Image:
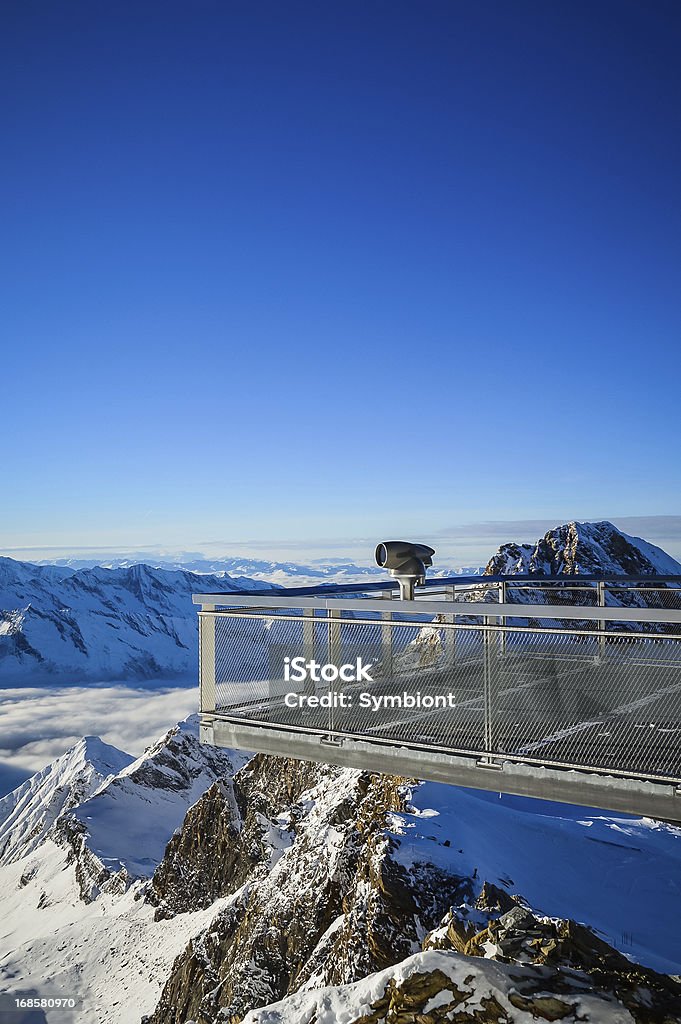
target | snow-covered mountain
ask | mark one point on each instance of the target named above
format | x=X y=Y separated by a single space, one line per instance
x=585 y=549
x=127 y=822
x=580 y=549
x=28 y=814
x=188 y=885
x=115 y=812
x=286 y=574
x=77 y=843
x=264 y=570
x=97 y=624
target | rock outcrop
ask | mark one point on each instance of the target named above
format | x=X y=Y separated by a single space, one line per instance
x=578 y=549
x=325 y=887
x=317 y=897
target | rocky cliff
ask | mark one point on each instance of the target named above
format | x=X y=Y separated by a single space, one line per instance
x=328 y=886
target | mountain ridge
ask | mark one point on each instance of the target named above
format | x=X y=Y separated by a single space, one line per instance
x=101 y=624
x=578 y=548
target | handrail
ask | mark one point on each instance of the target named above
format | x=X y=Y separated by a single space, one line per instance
x=444 y=581
x=518 y=611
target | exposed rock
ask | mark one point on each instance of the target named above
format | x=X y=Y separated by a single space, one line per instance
x=520 y=937
x=329 y=904
x=190 y=877
x=446 y=988
x=234 y=828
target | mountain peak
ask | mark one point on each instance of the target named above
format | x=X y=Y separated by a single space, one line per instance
x=104 y=757
x=131 y=817
x=583 y=548
x=29 y=812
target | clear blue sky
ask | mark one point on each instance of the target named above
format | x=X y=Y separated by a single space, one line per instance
x=285 y=273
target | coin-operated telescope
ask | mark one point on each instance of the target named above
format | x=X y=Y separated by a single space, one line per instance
x=406 y=562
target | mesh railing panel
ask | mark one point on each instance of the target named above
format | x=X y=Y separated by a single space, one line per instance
x=554 y=697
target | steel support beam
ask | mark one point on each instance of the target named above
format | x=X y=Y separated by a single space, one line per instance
x=586 y=789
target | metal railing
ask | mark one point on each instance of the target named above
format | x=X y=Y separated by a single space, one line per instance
x=576 y=673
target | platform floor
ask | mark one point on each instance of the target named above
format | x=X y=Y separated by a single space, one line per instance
x=614 y=715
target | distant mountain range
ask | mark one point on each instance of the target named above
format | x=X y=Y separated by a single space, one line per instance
x=282 y=573
x=59 y=622
x=100 y=624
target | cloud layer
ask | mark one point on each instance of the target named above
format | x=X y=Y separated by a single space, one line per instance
x=459 y=544
x=39 y=724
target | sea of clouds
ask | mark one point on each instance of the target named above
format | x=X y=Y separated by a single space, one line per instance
x=38 y=724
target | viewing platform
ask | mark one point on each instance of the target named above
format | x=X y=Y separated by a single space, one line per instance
x=563 y=688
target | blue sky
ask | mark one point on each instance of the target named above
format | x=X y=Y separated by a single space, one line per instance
x=283 y=277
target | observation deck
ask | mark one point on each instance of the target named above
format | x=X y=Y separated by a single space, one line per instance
x=562 y=688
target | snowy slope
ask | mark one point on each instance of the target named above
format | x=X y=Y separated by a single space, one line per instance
x=111 y=954
x=116 y=813
x=131 y=818
x=662 y=563
x=619 y=875
x=97 y=624
x=27 y=814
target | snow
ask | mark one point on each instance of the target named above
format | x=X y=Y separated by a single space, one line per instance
x=476 y=978
x=27 y=814
x=100 y=624
x=111 y=954
x=109 y=951
x=131 y=818
x=620 y=875
x=128 y=807
x=664 y=564
x=260 y=570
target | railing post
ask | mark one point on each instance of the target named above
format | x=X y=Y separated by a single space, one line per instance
x=387 y=638
x=308 y=632
x=334 y=657
x=488 y=681
x=502 y=618
x=450 y=634
x=601 y=622
x=207 y=694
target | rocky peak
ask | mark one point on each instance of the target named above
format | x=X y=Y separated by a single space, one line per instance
x=583 y=549
x=330 y=876
x=568 y=953
x=126 y=824
x=29 y=813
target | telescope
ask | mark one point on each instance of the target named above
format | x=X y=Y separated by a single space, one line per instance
x=406 y=562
